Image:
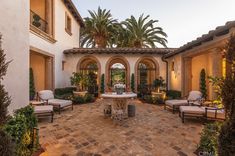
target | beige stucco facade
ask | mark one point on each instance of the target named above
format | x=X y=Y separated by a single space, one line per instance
x=104 y=60
x=15 y=30
x=187 y=65
x=60 y=41
x=28 y=48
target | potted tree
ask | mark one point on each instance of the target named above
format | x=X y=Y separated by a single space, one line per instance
x=76 y=80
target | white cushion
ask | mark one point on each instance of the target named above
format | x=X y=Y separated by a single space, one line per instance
x=176 y=102
x=43 y=109
x=211 y=113
x=194 y=95
x=60 y=102
x=192 y=109
x=46 y=94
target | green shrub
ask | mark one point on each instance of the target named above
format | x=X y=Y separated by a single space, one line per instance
x=102 y=86
x=89 y=98
x=20 y=128
x=227 y=134
x=132 y=82
x=203 y=83
x=209 y=139
x=83 y=99
x=78 y=100
x=31 y=85
x=66 y=90
x=173 y=94
x=7 y=146
x=153 y=100
x=148 y=99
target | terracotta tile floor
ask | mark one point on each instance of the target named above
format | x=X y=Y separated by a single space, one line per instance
x=85 y=131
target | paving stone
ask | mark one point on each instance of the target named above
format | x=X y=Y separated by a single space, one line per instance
x=180 y=153
x=106 y=151
x=84 y=131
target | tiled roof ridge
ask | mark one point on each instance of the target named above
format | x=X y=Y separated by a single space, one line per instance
x=218 y=31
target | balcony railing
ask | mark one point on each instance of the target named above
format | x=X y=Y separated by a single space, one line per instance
x=37 y=21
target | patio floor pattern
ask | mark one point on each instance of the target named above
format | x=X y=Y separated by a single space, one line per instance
x=85 y=132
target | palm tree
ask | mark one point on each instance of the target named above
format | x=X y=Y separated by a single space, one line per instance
x=142 y=33
x=99 y=29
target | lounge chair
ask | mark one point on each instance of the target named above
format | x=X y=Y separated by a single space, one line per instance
x=174 y=104
x=48 y=97
x=44 y=111
x=209 y=113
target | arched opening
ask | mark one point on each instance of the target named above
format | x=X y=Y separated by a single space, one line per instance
x=118 y=74
x=117 y=71
x=89 y=66
x=146 y=72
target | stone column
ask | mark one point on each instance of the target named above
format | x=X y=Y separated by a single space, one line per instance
x=49 y=17
x=215 y=68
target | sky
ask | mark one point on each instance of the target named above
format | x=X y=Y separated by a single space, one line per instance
x=182 y=20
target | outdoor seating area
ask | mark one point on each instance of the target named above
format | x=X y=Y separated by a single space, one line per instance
x=85 y=131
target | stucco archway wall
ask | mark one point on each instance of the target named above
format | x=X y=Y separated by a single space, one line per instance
x=145 y=58
x=87 y=59
x=109 y=63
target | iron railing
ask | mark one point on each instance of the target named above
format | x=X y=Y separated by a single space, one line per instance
x=37 y=21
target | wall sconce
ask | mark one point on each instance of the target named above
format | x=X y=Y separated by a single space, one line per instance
x=173 y=66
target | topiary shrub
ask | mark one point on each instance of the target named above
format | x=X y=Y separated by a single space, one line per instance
x=78 y=100
x=203 y=83
x=132 y=82
x=102 y=86
x=31 y=85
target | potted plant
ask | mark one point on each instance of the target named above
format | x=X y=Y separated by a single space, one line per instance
x=76 y=80
x=159 y=84
x=36 y=20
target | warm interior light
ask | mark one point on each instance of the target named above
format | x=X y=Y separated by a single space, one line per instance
x=224 y=67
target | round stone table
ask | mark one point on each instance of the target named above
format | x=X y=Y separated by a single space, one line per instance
x=119 y=100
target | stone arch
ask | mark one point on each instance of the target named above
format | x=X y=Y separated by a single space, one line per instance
x=148 y=60
x=109 y=63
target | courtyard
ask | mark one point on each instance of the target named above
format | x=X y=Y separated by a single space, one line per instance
x=85 y=131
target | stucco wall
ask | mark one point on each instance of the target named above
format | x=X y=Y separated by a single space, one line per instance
x=72 y=61
x=198 y=63
x=64 y=41
x=175 y=76
x=14 y=26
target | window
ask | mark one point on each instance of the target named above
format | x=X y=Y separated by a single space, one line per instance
x=68 y=24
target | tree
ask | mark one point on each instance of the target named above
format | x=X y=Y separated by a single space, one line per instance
x=31 y=84
x=227 y=134
x=142 y=33
x=6 y=144
x=203 y=83
x=4 y=98
x=99 y=29
x=132 y=82
x=102 y=86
